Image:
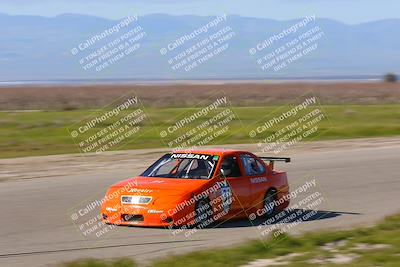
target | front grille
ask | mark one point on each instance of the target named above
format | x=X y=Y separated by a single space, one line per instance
x=132 y=218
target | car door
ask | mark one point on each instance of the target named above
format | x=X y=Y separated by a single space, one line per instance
x=256 y=173
x=237 y=182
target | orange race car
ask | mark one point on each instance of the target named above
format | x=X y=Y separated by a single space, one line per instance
x=197 y=188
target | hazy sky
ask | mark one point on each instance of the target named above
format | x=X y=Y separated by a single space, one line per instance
x=349 y=11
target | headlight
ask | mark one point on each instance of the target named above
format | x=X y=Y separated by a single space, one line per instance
x=135 y=200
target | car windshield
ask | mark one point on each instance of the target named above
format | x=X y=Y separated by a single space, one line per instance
x=183 y=166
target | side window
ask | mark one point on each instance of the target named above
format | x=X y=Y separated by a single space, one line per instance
x=230 y=167
x=251 y=165
x=260 y=166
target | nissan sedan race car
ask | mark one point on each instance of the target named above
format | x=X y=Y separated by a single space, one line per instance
x=198 y=187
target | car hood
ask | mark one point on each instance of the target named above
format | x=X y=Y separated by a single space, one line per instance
x=156 y=186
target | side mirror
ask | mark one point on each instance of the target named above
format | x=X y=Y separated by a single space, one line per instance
x=222 y=173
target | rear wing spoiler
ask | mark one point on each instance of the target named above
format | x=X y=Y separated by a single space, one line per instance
x=273 y=159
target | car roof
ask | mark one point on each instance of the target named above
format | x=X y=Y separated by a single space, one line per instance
x=211 y=151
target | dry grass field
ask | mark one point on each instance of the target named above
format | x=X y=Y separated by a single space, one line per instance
x=35 y=120
x=180 y=95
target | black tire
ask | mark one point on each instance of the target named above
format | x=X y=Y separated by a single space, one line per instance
x=270 y=208
x=203 y=213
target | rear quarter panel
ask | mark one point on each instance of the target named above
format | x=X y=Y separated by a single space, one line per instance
x=274 y=179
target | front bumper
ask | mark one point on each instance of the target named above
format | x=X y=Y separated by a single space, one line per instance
x=130 y=215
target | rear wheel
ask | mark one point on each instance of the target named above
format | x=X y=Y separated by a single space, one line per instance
x=269 y=203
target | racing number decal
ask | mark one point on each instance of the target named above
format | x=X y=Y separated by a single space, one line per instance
x=226 y=196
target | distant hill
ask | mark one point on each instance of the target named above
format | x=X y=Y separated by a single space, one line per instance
x=38 y=48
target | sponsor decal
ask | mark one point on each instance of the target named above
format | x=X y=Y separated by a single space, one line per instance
x=156 y=182
x=139 y=190
x=226 y=194
x=155 y=211
x=191 y=156
x=111 y=209
x=258 y=180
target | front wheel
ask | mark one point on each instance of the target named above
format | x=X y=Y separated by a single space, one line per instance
x=203 y=212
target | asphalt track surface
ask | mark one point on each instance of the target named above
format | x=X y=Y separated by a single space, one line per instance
x=359 y=182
